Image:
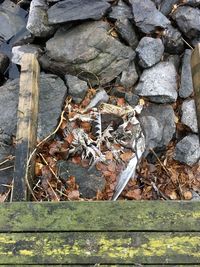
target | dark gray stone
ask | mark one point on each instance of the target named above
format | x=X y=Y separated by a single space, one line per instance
x=72 y=10
x=76 y=88
x=4 y=62
x=8 y=108
x=121 y=11
x=188 y=20
x=12 y=19
x=149 y=51
x=52 y=96
x=173 y=41
x=186 y=87
x=194 y=3
x=147 y=17
x=158 y=83
x=174 y=59
x=90 y=182
x=6 y=176
x=132 y=99
x=126 y=31
x=78 y=50
x=157 y=122
x=189 y=116
x=38 y=23
x=188 y=150
x=129 y=77
x=167 y=6
x=19 y=51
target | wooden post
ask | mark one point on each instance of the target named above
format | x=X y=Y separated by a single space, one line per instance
x=195 y=65
x=27 y=114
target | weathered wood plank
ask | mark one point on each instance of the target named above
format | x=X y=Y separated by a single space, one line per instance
x=100 y=216
x=97 y=247
x=195 y=64
x=26 y=123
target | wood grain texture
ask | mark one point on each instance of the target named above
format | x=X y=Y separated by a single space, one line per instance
x=195 y=65
x=26 y=123
x=96 y=247
x=100 y=216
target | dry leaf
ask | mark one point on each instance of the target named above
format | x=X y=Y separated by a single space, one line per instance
x=187 y=195
x=74 y=195
x=109 y=155
x=126 y=156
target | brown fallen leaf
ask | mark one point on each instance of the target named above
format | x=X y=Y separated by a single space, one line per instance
x=74 y=195
x=126 y=156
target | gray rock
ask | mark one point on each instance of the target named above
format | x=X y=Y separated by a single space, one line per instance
x=147 y=17
x=79 y=50
x=52 y=96
x=186 y=87
x=4 y=62
x=12 y=19
x=19 y=51
x=158 y=124
x=100 y=97
x=129 y=77
x=149 y=51
x=38 y=21
x=174 y=59
x=90 y=182
x=188 y=20
x=72 y=10
x=189 y=116
x=132 y=99
x=76 y=88
x=120 y=12
x=158 y=83
x=167 y=6
x=188 y=150
x=173 y=41
x=126 y=31
x=194 y=3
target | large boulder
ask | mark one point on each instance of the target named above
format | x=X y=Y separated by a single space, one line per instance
x=158 y=83
x=71 y=10
x=79 y=51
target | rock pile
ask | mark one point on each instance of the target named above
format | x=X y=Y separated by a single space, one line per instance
x=133 y=49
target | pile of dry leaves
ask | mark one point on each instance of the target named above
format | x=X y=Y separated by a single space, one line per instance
x=108 y=137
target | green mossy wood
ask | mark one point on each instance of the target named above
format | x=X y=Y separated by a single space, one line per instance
x=145 y=232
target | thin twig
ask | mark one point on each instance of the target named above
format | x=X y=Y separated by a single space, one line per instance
x=160 y=162
x=6 y=160
x=52 y=171
x=6 y=168
x=187 y=43
x=53 y=191
x=11 y=192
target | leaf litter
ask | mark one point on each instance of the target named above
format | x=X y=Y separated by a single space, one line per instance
x=108 y=136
